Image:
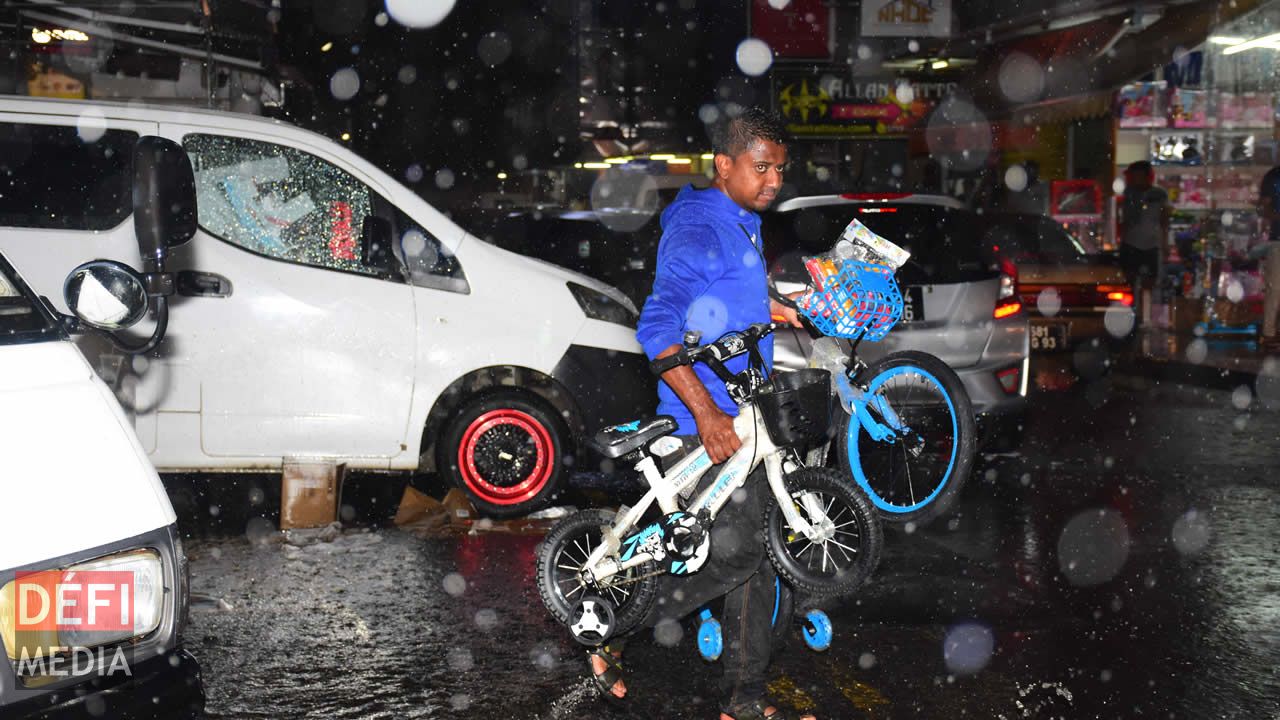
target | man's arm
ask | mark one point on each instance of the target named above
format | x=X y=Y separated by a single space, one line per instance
x=715 y=428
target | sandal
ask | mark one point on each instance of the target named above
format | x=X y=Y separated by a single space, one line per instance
x=605 y=681
x=756 y=711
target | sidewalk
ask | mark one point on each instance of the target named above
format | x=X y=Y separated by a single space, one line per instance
x=1215 y=362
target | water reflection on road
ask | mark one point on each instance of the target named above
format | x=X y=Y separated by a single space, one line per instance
x=1125 y=564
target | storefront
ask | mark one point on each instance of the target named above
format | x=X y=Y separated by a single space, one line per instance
x=1209 y=129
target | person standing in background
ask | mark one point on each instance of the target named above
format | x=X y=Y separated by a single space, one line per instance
x=1144 y=225
x=1269 y=208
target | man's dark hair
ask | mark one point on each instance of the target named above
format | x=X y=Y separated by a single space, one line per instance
x=733 y=136
x=1142 y=167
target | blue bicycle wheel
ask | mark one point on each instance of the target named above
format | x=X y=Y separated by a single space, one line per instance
x=915 y=474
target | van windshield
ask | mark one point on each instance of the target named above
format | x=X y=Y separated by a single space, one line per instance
x=22 y=318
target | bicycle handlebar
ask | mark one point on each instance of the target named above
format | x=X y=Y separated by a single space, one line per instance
x=729 y=345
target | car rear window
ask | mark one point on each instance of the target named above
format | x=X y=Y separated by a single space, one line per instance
x=944 y=242
x=1032 y=238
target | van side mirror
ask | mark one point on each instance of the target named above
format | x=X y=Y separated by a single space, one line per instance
x=376 y=244
x=164 y=199
x=106 y=294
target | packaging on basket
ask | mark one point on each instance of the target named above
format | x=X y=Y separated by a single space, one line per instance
x=858 y=242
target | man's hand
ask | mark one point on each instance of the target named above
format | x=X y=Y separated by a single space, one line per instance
x=778 y=311
x=715 y=428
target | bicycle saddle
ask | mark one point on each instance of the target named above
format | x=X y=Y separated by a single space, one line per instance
x=618 y=440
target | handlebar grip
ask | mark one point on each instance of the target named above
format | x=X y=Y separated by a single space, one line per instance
x=661 y=365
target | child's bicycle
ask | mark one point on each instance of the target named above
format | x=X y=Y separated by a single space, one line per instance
x=598 y=571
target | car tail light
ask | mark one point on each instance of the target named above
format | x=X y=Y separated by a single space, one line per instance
x=1007 y=302
x=875 y=197
x=1010 y=379
x=1113 y=293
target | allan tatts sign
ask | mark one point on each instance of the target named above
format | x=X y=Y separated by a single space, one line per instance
x=830 y=105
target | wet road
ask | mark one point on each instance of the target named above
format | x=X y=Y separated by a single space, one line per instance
x=1125 y=564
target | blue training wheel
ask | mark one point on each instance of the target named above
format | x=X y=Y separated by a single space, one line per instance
x=817 y=630
x=710 y=639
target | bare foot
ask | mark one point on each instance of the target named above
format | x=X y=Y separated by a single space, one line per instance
x=598 y=666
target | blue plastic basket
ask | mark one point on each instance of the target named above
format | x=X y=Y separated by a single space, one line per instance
x=860 y=300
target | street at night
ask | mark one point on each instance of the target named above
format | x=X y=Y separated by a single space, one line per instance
x=661 y=359
x=1075 y=579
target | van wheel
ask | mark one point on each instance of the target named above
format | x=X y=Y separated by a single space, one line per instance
x=506 y=450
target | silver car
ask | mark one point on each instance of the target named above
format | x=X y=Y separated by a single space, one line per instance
x=956 y=306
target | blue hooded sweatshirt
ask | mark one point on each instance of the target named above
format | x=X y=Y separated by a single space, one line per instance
x=711 y=277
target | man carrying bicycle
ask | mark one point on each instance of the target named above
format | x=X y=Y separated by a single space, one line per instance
x=711 y=278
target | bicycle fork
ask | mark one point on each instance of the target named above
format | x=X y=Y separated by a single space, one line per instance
x=855 y=401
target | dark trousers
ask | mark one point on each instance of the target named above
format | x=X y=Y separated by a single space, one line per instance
x=738 y=569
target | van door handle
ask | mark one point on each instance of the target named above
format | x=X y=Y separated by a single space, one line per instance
x=203 y=284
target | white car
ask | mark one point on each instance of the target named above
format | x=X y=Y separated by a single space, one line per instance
x=93 y=579
x=323 y=309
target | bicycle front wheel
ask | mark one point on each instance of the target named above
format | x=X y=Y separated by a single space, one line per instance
x=916 y=474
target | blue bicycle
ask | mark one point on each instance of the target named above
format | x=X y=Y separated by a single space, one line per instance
x=908 y=436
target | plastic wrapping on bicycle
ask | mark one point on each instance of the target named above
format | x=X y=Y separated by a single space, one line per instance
x=729 y=345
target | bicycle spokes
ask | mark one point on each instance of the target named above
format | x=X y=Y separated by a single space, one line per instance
x=834 y=539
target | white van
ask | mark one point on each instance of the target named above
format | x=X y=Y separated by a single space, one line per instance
x=93 y=579
x=324 y=310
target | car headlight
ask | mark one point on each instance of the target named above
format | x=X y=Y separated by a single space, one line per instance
x=599 y=306
x=86 y=605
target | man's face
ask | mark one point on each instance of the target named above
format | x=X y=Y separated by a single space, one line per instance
x=752 y=179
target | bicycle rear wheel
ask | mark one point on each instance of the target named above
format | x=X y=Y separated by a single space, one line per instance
x=917 y=475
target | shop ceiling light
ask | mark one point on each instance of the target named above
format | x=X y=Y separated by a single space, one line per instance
x=326 y=47
x=679 y=161
x=939 y=64
x=1264 y=41
x=502 y=176
x=708 y=156
x=1226 y=40
x=618 y=160
x=662 y=156
x=596 y=166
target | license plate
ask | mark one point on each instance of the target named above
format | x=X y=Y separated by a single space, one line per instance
x=912 y=304
x=1049 y=337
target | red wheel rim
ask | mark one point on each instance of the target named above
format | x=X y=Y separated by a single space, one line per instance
x=503 y=427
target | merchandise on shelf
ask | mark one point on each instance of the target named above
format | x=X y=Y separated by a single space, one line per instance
x=1187 y=191
x=1245 y=110
x=1190 y=108
x=1143 y=105
x=1182 y=148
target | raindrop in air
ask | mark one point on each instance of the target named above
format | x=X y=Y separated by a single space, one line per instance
x=1021 y=78
x=1093 y=547
x=380 y=19
x=1197 y=351
x=668 y=633
x=413 y=173
x=913 y=46
x=1049 y=302
x=91 y=125
x=905 y=93
x=487 y=619
x=259 y=530
x=140 y=364
x=779 y=4
x=624 y=201
x=1241 y=397
x=1191 y=532
x=494 y=48
x=455 y=584
x=1118 y=320
x=407 y=74
x=460 y=702
x=864 y=52
x=1117 y=186
x=419 y=14
x=754 y=57
x=460 y=659
x=708 y=114
x=444 y=178
x=967 y=648
x=866 y=661
x=344 y=84
x=1015 y=178
x=1235 y=291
